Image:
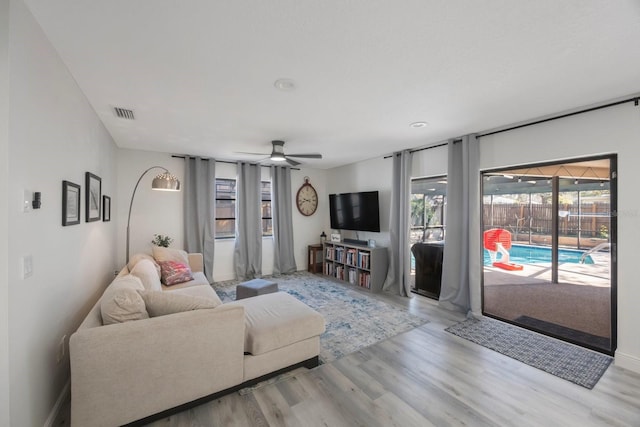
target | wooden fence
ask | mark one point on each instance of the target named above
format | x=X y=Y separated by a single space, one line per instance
x=588 y=221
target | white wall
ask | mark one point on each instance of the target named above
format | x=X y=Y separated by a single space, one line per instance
x=611 y=130
x=4 y=222
x=153 y=212
x=156 y=212
x=307 y=229
x=375 y=174
x=368 y=175
x=54 y=135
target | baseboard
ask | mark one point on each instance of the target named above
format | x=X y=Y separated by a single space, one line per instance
x=627 y=361
x=64 y=395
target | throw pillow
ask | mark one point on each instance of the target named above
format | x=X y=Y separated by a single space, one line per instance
x=145 y=270
x=175 y=272
x=124 y=281
x=121 y=305
x=160 y=303
x=166 y=254
x=137 y=258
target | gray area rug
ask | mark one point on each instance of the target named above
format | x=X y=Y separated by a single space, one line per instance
x=572 y=363
x=354 y=319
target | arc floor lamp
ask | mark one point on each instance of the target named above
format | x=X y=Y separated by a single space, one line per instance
x=163 y=182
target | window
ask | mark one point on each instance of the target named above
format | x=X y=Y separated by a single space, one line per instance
x=267 y=221
x=428 y=202
x=226 y=208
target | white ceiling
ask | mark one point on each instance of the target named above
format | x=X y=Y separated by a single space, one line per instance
x=200 y=74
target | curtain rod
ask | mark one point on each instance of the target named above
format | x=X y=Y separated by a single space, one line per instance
x=635 y=100
x=176 y=156
x=562 y=116
x=426 y=148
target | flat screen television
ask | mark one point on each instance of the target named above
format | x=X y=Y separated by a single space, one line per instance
x=355 y=211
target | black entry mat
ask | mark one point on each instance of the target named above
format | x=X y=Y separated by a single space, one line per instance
x=574 y=335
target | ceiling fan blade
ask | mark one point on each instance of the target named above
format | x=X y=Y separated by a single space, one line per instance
x=255 y=154
x=292 y=162
x=306 y=156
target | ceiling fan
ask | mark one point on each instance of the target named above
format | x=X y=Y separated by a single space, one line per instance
x=278 y=155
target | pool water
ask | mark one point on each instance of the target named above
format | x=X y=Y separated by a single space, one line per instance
x=523 y=254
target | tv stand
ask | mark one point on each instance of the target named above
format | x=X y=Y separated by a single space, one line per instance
x=356 y=264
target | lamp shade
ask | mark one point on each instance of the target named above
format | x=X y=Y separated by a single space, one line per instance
x=166 y=182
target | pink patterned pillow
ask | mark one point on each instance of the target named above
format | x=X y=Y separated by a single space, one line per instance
x=174 y=272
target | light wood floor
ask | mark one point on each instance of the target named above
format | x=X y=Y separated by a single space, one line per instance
x=425 y=377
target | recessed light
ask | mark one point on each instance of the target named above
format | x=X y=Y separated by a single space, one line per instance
x=418 y=124
x=286 y=85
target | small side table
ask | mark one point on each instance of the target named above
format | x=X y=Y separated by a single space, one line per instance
x=315 y=261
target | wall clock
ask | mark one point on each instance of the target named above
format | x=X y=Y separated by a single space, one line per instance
x=307 y=198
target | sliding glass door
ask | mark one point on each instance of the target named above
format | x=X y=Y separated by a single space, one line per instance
x=549 y=239
x=428 y=204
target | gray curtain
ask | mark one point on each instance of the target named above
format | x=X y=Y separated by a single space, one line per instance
x=283 y=256
x=248 y=245
x=199 y=209
x=398 y=277
x=460 y=289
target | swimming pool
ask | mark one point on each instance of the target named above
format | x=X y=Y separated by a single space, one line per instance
x=524 y=254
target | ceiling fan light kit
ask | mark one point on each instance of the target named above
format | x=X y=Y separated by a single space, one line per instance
x=278 y=155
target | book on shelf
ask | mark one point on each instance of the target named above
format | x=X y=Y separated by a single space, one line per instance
x=351 y=257
x=328 y=269
x=330 y=254
x=353 y=275
x=365 y=280
x=363 y=259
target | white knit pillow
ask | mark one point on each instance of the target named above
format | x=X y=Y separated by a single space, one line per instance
x=161 y=254
x=122 y=305
x=136 y=258
x=145 y=270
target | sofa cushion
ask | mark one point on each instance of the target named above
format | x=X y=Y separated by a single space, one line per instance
x=146 y=271
x=137 y=258
x=160 y=303
x=161 y=254
x=173 y=272
x=122 y=303
x=276 y=320
x=125 y=281
x=205 y=291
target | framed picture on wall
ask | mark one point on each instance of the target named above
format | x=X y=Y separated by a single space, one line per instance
x=93 y=197
x=106 y=208
x=70 y=203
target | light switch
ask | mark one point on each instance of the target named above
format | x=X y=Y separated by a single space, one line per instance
x=26 y=201
x=27 y=266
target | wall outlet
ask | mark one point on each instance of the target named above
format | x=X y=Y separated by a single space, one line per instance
x=27 y=266
x=61 y=349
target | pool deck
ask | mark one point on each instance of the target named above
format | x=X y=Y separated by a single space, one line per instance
x=596 y=274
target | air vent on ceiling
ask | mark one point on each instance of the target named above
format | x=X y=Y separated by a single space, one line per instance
x=124 y=113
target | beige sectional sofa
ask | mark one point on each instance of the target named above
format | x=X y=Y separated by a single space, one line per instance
x=179 y=346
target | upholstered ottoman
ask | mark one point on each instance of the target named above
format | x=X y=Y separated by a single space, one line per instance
x=255 y=287
x=279 y=331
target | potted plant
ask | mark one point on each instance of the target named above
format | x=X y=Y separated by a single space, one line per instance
x=161 y=240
